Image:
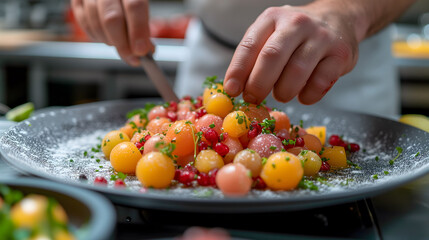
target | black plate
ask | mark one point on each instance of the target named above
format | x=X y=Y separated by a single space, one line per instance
x=45 y=144
x=90 y=214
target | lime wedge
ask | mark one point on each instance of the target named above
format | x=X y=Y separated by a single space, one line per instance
x=416 y=120
x=20 y=112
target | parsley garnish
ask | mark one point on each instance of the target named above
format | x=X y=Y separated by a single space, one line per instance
x=399 y=149
x=264 y=160
x=386 y=172
x=212 y=125
x=268 y=125
x=142 y=112
x=375 y=176
x=307 y=184
x=71 y=160
x=273 y=165
x=85 y=153
x=273 y=148
x=417 y=154
x=377 y=158
x=353 y=164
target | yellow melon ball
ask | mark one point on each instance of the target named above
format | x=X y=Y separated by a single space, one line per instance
x=112 y=139
x=236 y=124
x=155 y=170
x=282 y=171
x=219 y=104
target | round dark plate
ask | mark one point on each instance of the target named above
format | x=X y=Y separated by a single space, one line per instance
x=90 y=214
x=53 y=145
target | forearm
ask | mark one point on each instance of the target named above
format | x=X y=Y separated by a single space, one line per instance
x=366 y=16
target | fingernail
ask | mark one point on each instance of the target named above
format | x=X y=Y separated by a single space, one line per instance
x=249 y=98
x=233 y=87
x=134 y=61
x=140 y=46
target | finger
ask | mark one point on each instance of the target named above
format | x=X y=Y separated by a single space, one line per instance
x=137 y=15
x=91 y=13
x=79 y=13
x=271 y=61
x=299 y=69
x=113 y=22
x=245 y=55
x=323 y=78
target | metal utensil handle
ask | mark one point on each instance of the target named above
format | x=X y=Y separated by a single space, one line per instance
x=158 y=78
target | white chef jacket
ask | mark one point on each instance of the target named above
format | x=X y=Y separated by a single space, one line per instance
x=371 y=87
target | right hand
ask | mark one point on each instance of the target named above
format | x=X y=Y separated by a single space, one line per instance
x=123 y=24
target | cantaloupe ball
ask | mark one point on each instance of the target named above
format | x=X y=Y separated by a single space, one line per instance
x=282 y=171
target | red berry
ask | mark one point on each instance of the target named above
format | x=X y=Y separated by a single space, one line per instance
x=299 y=142
x=147 y=137
x=187 y=97
x=139 y=145
x=203 y=179
x=203 y=145
x=186 y=177
x=199 y=102
x=200 y=112
x=259 y=183
x=255 y=125
x=325 y=167
x=212 y=176
x=172 y=116
x=190 y=168
x=100 y=180
x=172 y=107
x=252 y=133
x=288 y=143
x=211 y=135
x=335 y=140
x=221 y=148
x=354 y=147
x=177 y=174
x=119 y=183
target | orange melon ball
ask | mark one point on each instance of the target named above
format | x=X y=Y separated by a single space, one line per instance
x=138 y=136
x=219 y=104
x=208 y=160
x=236 y=124
x=124 y=157
x=129 y=130
x=158 y=125
x=155 y=170
x=318 y=131
x=112 y=139
x=255 y=112
x=251 y=160
x=312 y=143
x=282 y=171
x=335 y=156
x=282 y=120
x=137 y=120
x=182 y=133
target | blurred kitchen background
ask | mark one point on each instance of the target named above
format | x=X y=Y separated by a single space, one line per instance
x=46 y=59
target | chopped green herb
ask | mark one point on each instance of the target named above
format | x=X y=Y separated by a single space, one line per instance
x=264 y=160
x=273 y=165
x=268 y=125
x=212 y=125
x=71 y=160
x=377 y=158
x=249 y=173
x=353 y=164
x=303 y=152
x=97 y=160
x=85 y=153
x=417 y=154
x=399 y=150
x=386 y=172
x=307 y=184
x=251 y=150
x=121 y=136
x=301 y=123
x=287 y=159
x=142 y=112
x=375 y=176
x=273 y=148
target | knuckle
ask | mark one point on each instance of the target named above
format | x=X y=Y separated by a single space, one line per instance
x=297 y=67
x=271 y=51
x=248 y=43
x=300 y=19
x=343 y=52
x=135 y=5
x=280 y=95
x=270 y=12
x=112 y=17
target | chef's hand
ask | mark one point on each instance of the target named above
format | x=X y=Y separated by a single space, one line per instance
x=294 y=51
x=123 y=24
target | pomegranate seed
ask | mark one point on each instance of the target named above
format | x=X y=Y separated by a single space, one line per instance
x=119 y=183
x=212 y=175
x=259 y=183
x=211 y=135
x=299 y=142
x=221 y=148
x=200 y=112
x=100 y=180
x=203 y=179
x=172 y=116
x=187 y=97
x=255 y=125
x=139 y=145
x=190 y=168
x=147 y=137
x=186 y=177
x=203 y=145
x=335 y=140
x=223 y=136
x=354 y=147
x=199 y=102
x=172 y=107
x=325 y=167
x=289 y=143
